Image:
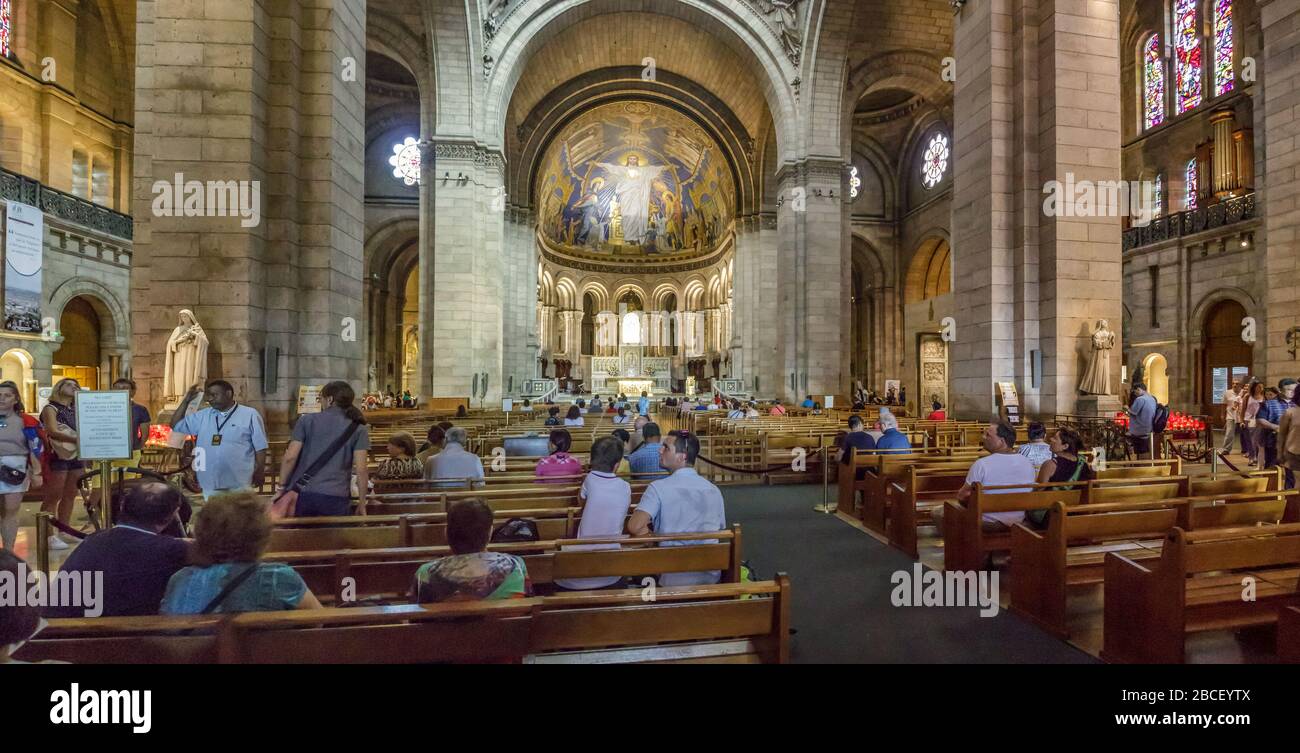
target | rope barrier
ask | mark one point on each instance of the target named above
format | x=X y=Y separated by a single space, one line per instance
x=65 y=528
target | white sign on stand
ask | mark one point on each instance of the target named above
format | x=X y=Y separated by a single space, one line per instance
x=104 y=425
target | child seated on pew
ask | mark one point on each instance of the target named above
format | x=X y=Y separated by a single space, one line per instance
x=606 y=499
x=471 y=573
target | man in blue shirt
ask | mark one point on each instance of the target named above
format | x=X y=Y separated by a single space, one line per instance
x=807 y=402
x=856 y=439
x=644 y=460
x=230 y=445
x=135 y=558
x=891 y=439
x=643 y=405
x=1268 y=418
x=1140 y=415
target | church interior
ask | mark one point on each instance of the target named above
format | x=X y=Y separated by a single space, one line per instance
x=978 y=318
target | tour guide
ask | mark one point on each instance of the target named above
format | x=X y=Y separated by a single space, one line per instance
x=230 y=446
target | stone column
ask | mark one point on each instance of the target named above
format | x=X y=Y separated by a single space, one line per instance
x=1280 y=21
x=813 y=274
x=1036 y=100
x=609 y=333
x=571 y=325
x=248 y=95
x=1225 y=153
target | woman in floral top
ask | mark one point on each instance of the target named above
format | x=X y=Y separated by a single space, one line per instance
x=402 y=462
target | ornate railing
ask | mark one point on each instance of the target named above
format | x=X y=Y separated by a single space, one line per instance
x=64 y=206
x=1098 y=431
x=1192 y=221
x=1192 y=445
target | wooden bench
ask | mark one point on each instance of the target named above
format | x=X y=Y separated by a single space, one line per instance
x=1197 y=584
x=1071 y=550
x=733 y=622
x=966 y=545
x=336 y=576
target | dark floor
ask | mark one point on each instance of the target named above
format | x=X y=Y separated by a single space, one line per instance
x=841 y=579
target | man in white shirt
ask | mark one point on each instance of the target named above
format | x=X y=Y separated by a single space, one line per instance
x=455 y=462
x=229 y=440
x=1231 y=411
x=1003 y=466
x=606 y=499
x=682 y=503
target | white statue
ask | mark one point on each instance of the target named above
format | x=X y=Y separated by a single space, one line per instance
x=187 y=357
x=1096 y=380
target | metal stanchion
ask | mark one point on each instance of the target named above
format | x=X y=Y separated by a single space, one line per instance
x=826 y=505
x=43 y=530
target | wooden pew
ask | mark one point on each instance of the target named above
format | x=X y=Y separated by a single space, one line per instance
x=1071 y=550
x=965 y=543
x=732 y=622
x=357 y=532
x=1197 y=584
x=1288 y=635
x=911 y=501
x=336 y=576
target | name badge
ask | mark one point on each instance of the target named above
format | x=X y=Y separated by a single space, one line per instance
x=216 y=440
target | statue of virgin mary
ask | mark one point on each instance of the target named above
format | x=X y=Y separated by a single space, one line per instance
x=1096 y=379
x=187 y=357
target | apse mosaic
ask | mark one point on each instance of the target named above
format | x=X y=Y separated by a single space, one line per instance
x=635 y=180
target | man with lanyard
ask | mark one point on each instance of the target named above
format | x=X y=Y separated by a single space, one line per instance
x=230 y=446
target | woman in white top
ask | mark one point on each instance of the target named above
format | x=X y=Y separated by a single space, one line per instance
x=622 y=417
x=606 y=499
x=1253 y=402
x=574 y=417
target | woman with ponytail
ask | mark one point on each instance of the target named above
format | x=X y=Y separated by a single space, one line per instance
x=325 y=450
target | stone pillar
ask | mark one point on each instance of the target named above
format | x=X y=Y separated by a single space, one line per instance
x=571 y=325
x=813 y=276
x=1036 y=100
x=1280 y=21
x=609 y=333
x=520 y=321
x=755 y=287
x=546 y=329
x=1225 y=153
x=248 y=95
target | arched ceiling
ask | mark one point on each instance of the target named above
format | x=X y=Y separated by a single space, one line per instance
x=613 y=40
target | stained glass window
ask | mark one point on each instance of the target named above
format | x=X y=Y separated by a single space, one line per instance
x=406 y=161
x=1154 y=81
x=935 y=161
x=1191 y=183
x=6 y=27
x=1222 y=47
x=1187 y=55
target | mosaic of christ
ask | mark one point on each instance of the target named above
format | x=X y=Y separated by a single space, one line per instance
x=634 y=179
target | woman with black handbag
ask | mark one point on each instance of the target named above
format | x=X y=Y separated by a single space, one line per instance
x=324 y=451
x=20 y=460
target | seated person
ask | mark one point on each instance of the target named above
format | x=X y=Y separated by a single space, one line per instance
x=559 y=462
x=1066 y=464
x=471 y=572
x=1003 y=466
x=17 y=623
x=1036 y=449
x=622 y=417
x=807 y=402
x=937 y=412
x=596 y=406
x=736 y=410
x=402 y=462
x=684 y=502
x=436 y=439
x=817 y=409
x=891 y=439
x=455 y=463
x=231 y=534
x=645 y=459
x=574 y=416
x=856 y=439
x=751 y=411
x=552 y=416
x=624 y=467
x=777 y=409
x=605 y=502
x=136 y=559
x=527 y=407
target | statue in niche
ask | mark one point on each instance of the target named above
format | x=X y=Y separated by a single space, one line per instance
x=186 y=362
x=1096 y=379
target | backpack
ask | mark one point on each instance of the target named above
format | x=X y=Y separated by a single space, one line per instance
x=516 y=530
x=1160 y=419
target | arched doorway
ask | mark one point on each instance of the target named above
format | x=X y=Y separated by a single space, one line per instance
x=79 y=357
x=1156 y=369
x=16 y=366
x=1225 y=357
